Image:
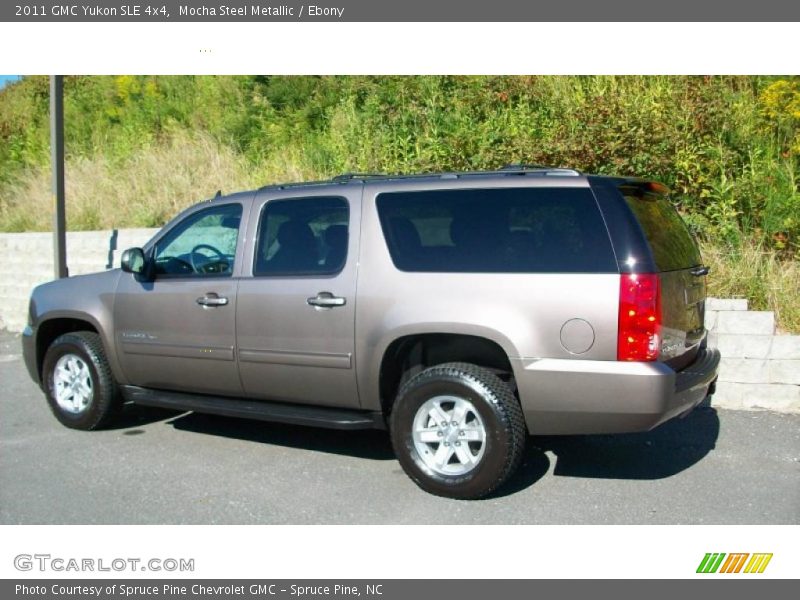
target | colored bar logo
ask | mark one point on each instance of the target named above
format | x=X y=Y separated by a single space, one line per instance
x=713 y=562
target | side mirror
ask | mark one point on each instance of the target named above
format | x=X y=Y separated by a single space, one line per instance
x=133 y=261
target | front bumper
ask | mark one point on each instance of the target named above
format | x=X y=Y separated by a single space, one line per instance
x=29 y=353
x=562 y=396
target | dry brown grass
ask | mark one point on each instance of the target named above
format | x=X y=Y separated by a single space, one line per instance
x=143 y=191
x=759 y=275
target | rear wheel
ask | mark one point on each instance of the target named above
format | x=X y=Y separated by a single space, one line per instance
x=78 y=383
x=457 y=430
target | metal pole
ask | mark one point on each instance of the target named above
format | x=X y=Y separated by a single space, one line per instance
x=57 y=162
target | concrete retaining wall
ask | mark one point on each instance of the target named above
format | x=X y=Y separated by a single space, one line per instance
x=26 y=260
x=759 y=368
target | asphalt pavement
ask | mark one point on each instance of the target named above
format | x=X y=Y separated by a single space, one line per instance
x=713 y=467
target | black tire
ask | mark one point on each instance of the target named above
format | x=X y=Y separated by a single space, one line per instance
x=499 y=411
x=105 y=402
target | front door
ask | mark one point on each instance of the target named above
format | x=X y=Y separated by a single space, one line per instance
x=177 y=331
x=296 y=312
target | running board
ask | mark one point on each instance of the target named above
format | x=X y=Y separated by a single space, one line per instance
x=261 y=410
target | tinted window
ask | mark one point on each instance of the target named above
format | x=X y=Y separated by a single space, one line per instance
x=672 y=245
x=202 y=245
x=305 y=236
x=530 y=230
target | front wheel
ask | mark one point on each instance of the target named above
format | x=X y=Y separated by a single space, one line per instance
x=458 y=430
x=78 y=382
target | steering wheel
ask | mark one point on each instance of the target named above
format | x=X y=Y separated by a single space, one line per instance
x=202 y=268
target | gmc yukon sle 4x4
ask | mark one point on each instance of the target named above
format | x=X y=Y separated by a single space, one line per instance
x=462 y=311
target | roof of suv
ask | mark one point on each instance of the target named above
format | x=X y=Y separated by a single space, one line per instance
x=509 y=170
x=514 y=170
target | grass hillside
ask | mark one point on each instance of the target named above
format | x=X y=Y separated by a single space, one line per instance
x=140 y=148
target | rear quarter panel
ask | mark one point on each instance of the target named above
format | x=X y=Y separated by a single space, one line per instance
x=522 y=313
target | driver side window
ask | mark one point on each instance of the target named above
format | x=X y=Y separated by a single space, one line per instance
x=202 y=245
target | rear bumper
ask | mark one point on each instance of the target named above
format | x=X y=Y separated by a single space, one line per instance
x=561 y=396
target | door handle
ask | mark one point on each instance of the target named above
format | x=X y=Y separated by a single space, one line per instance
x=700 y=271
x=326 y=300
x=211 y=299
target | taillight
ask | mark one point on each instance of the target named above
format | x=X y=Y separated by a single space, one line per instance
x=639 y=336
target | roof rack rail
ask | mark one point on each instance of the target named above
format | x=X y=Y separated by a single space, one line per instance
x=351 y=176
x=522 y=168
x=511 y=169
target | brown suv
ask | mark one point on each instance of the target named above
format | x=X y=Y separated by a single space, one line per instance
x=462 y=311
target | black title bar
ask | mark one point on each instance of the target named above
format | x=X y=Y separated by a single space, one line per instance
x=402 y=10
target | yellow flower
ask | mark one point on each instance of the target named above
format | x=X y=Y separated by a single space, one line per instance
x=781 y=99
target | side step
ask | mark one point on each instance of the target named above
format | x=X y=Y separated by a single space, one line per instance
x=295 y=414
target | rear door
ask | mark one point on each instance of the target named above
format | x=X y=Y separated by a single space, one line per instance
x=681 y=274
x=296 y=304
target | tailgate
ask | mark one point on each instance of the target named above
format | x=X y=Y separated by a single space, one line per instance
x=681 y=274
x=683 y=297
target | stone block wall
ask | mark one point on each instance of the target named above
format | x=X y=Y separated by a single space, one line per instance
x=26 y=260
x=760 y=369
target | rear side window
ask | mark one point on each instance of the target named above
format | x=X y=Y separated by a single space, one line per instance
x=672 y=245
x=511 y=230
x=302 y=237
